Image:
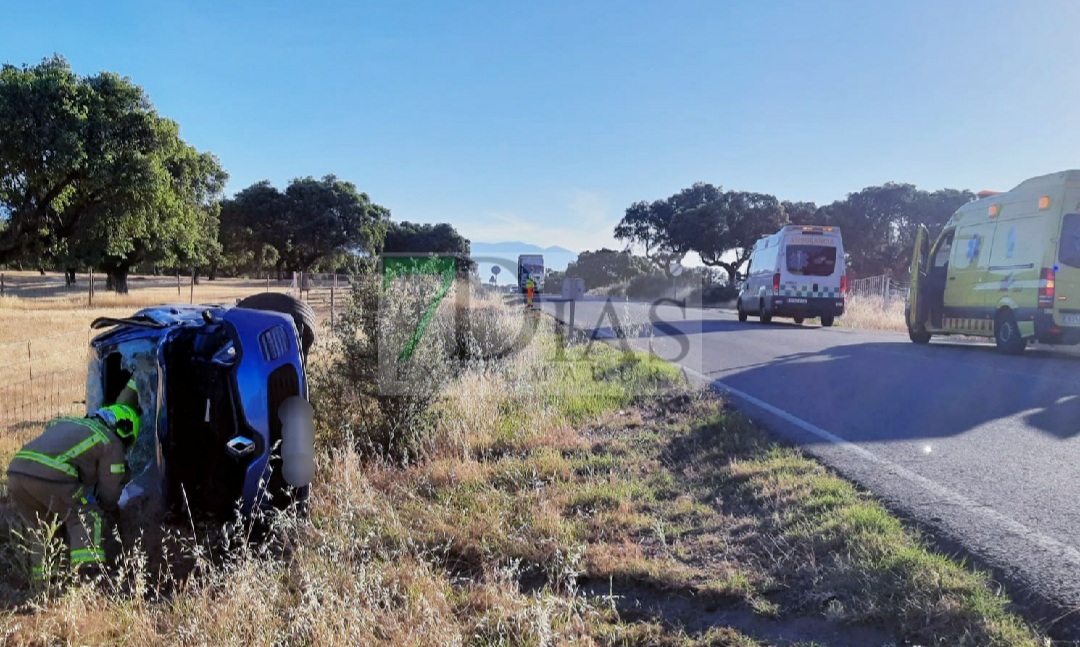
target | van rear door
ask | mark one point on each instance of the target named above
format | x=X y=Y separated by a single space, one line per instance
x=916 y=300
x=1066 y=279
x=812 y=266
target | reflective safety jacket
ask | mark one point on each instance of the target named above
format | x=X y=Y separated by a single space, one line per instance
x=77 y=450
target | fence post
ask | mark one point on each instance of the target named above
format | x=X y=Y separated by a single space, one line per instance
x=268 y=281
x=1 y=285
x=192 y=300
x=332 y=290
x=90 y=290
x=30 y=361
x=178 y=284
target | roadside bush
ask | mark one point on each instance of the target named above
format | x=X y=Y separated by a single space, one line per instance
x=648 y=287
x=379 y=374
x=714 y=294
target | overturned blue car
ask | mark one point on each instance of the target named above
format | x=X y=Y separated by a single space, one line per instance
x=223 y=393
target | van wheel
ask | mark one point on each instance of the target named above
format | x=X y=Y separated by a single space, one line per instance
x=765 y=318
x=920 y=336
x=742 y=313
x=827 y=320
x=1007 y=334
x=798 y=321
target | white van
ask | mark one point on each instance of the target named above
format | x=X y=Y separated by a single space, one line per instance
x=797 y=272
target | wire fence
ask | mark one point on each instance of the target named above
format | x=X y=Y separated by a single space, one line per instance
x=46 y=376
x=879 y=286
x=91 y=288
x=42 y=378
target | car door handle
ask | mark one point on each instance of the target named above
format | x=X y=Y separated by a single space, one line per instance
x=952 y=278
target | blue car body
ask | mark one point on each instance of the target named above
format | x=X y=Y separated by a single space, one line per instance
x=211 y=381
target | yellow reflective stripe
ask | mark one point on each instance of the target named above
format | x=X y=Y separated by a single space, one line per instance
x=118 y=468
x=131 y=385
x=85 y=555
x=48 y=461
x=97 y=529
x=80 y=449
x=93 y=424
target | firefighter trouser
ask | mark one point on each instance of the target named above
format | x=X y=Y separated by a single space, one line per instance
x=39 y=501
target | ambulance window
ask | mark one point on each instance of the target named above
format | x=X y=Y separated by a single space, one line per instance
x=1069 y=252
x=941 y=258
x=811 y=260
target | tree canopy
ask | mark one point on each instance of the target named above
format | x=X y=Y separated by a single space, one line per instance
x=878 y=224
x=723 y=230
x=310 y=221
x=91 y=174
x=606 y=267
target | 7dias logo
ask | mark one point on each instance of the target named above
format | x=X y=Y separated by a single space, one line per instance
x=435 y=316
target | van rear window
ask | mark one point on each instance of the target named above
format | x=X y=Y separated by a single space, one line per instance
x=811 y=260
x=1069 y=252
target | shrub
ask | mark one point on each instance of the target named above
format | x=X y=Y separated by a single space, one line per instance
x=714 y=294
x=368 y=389
x=649 y=287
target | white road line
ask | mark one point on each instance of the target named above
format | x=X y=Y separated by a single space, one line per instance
x=1009 y=524
x=1045 y=542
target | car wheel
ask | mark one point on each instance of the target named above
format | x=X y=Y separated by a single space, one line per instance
x=738 y=308
x=762 y=315
x=1007 y=334
x=798 y=321
x=919 y=336
x=302 y=314
x=827 y=321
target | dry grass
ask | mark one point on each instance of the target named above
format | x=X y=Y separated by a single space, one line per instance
x=872 y=313
x=572 y=496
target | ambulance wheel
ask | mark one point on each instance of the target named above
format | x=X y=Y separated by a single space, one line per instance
x=798 y=321
x=764 y=316
x=1007 y=334
x=827 y=320
x=920 y=336
x=742 y=313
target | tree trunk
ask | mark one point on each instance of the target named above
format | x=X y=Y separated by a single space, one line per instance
x=41 y=271
x=69 y=276
x=194 y=277
x=116 y=279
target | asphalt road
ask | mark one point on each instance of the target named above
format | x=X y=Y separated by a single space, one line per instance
x=979 y=448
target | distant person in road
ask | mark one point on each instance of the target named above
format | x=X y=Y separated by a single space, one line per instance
x=529 y=287
x=68 y=475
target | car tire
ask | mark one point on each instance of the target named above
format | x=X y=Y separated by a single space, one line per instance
x=302 y=314
x=738 y=308
x=762 y=315
x=1007 y=334
x=919 y=336
x=827 y=321
x=798 y=321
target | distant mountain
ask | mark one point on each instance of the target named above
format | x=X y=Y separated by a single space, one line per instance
x=555 y=258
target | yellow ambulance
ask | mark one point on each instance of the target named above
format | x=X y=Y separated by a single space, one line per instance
x=1006 y=265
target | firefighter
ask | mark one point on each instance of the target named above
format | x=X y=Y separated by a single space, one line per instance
x=71 y=473
x=530 y=285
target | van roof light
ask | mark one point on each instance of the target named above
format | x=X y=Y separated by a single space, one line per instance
x=995 y=209
x=1044 y=202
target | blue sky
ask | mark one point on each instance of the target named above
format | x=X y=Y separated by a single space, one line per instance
x=543 y=121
